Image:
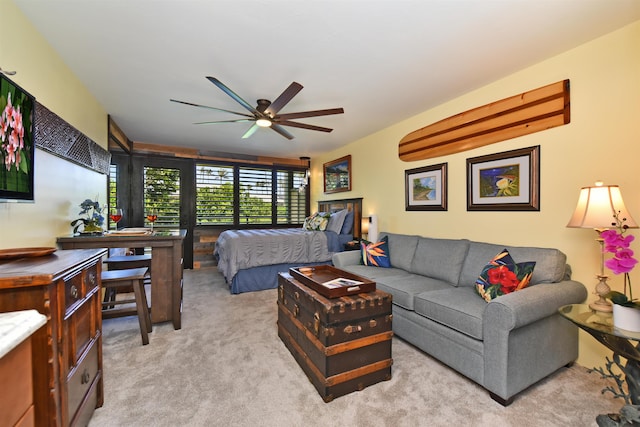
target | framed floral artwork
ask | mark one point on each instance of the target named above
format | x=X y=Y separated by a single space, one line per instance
x=508 y=181
x=426 y=188
x=337 y=175
x=16 y=142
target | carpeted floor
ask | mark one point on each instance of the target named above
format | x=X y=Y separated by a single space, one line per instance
x=227 y=367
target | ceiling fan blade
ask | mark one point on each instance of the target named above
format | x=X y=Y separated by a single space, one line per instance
x=232 y=94
x=283 y=99
x=315 y=113
x=225 y=121
x=210 y=108
x=251 y=131
x=281 y=131
x=303 y=126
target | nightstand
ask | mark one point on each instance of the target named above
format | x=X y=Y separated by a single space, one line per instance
x=353 y=245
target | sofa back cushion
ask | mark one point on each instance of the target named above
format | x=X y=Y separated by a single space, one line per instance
x=402 y=248
x=440 y=258
x=550 y=263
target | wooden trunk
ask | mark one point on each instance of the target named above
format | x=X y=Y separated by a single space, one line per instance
x=342 y=344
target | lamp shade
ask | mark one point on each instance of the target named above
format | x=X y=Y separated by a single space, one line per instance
x=597 y=206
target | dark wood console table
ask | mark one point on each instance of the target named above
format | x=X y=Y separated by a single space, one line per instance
x=166 y=266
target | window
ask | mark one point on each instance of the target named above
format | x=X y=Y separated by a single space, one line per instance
x=243 y=195
x=162 y=193
x=113 y=193
x=255 y=201
x=291 y=197
x=214 y=195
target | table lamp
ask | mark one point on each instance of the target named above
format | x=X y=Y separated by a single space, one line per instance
x=596 y=208
x=370 y=227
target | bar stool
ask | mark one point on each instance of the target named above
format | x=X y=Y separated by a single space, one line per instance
x=121 y=262
x=112 y=280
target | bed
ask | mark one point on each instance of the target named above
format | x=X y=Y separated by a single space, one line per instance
x=250 y=259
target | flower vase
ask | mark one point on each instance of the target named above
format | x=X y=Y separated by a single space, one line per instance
x=627 y=318
x=92 y=228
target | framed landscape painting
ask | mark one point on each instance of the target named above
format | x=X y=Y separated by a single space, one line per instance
x=426 y=188
x=508 y=181
x=16 y=142
x=337 y=175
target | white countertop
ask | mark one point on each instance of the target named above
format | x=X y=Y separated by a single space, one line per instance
x=16 y=326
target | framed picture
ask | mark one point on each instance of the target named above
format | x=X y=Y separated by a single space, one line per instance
x=17 y=146
x=426 y=188
x=508 y=181
x=337 y=175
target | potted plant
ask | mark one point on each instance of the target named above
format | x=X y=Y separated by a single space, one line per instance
x=626 y=310
x=93 y=219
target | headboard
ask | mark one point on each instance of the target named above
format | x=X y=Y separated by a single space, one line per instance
x=353 y=205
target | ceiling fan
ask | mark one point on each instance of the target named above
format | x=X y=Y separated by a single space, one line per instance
x=265 y=114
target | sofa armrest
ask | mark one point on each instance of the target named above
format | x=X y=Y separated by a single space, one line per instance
x=342 y=259
x=521 y=308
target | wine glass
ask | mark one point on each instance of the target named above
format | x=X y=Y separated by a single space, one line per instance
x=116 y=215
x=152 y=216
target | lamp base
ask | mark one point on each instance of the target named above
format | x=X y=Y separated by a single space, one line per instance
x=602 y=289
x=603 y=306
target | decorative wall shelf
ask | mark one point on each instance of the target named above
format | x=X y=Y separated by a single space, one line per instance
x=58 y=137
x=529 y=112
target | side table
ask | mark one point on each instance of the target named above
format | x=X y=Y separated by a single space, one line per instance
x=353 y=245
x=623 y=344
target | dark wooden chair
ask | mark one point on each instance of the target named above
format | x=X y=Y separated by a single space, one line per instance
x=121 y=262
x=112 y=281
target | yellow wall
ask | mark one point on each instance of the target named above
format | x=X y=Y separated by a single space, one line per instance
x=602 y=142
x=60 y=186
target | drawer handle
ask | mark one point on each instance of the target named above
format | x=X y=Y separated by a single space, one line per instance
x=74 y=292
x=296 y=310
x=352 y=329
x=92 y=278
x=84 y=379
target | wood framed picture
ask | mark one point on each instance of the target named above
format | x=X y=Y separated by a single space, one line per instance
x=337 y=175
x=426 y=188
x=508 y=181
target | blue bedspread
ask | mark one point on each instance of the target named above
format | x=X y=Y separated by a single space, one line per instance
x=241 y=250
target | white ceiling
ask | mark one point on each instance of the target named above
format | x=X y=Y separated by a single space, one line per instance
x=382 y=61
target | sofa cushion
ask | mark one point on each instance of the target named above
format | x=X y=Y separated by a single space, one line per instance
x=375 y=254
x=550 y=263
x=458 y=308
x=441 y=258
x=375 y=273
x=405 y=288
x=502 y=275
x=402 y=249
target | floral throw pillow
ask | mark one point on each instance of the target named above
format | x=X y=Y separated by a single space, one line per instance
x=375 y=254
x=316 y=222
x=502 y=276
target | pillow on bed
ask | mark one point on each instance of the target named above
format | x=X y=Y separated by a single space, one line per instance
x=347 y=225
x=316 y=222
x=336 y=220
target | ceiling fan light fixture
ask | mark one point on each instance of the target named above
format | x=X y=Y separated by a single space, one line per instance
x=263 y=123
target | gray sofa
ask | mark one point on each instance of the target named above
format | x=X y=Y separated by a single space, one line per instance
x=505 y=345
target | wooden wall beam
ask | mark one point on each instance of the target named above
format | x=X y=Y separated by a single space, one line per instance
x=529 y=112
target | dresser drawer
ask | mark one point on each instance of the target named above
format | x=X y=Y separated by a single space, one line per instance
x=80 y=380
x=81 y=329
x=78 y=286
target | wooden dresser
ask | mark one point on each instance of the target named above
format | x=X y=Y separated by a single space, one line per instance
x=67 y=352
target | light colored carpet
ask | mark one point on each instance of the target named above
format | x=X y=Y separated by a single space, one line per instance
x=227 y=367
